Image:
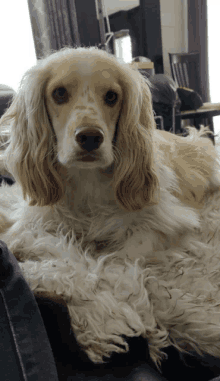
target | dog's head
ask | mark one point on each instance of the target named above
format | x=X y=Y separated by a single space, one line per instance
x=82 y=108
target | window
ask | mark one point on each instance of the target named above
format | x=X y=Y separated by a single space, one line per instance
x=122 y=46
x=17 y=45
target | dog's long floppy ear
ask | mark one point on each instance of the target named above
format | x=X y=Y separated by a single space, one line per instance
x=135 y=181
x=30 y=156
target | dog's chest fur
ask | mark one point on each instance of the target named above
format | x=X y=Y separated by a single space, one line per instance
x=90 y=215
x=95 y=219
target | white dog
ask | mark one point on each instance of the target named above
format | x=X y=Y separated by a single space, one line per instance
x=88 y=160
x=91 y=168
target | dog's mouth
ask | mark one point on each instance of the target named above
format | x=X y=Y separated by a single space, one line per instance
x=87 y=157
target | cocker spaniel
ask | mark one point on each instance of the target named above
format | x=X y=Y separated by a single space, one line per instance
x=90 y=165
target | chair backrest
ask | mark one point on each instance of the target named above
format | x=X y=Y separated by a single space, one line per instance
x=185 y=69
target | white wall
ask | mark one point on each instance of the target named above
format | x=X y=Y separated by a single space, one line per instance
x=174 y=28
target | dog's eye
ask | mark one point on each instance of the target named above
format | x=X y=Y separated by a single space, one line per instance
x=60 y=95
x=111 y=98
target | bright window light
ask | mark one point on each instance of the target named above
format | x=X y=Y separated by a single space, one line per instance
x=214 y=56
x=123 y=48
x=17 y=45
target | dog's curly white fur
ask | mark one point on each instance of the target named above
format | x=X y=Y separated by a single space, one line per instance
x=91 y=168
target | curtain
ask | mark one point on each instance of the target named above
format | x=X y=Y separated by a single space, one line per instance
x=54 y=24
x=198 y=40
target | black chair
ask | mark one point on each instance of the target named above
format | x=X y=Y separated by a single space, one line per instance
x=185 y=69
x=146 y=68
x=165 y=101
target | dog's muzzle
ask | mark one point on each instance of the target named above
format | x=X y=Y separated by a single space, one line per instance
x=89 y=139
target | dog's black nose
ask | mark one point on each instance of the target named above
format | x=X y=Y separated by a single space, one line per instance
x=89 y=139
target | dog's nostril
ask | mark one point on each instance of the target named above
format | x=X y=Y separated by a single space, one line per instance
x=89 y=140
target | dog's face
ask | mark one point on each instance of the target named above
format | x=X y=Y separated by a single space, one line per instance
x=82 y=108
x=83 y=98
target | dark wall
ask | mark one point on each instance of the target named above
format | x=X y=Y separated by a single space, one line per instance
x=87 y=22
x=127 y=20
x=144 y=24
x=198 y=40
x=151 y=36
